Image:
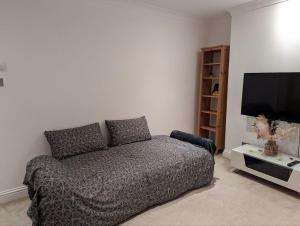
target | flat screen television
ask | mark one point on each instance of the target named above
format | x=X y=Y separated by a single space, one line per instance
x=275 y=95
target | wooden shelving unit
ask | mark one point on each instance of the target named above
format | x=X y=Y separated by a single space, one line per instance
x=212 y=106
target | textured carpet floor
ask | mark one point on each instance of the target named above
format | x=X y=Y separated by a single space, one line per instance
x=233 y=199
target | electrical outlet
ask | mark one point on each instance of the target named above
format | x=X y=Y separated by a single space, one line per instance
x=1 y=82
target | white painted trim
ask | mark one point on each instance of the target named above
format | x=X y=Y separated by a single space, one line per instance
x=254 y=5
x=227 y=154
x=13 y=194
x=164 y=10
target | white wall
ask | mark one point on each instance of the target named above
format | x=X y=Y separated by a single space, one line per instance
x=219 y=31
x=74 y=62
x=262 y=40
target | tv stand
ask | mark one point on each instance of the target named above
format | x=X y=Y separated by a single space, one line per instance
x=251 y=159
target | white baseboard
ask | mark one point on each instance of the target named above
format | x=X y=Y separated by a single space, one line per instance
x=13 y=194
x=227 y=153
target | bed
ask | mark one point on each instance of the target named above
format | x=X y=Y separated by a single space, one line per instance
x=109 y=186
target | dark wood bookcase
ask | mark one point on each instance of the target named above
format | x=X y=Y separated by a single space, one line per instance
x=213 y=94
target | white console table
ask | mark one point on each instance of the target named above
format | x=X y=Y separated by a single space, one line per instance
x=251 y=159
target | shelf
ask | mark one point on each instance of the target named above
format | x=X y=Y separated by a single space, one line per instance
x=212 y=108
x=210 y=112
x=215 y=48
x=211 y=78
x=210 y=96
x=211 y=64
x=209 y=128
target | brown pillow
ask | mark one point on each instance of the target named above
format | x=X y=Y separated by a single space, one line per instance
x=69 y=142
x=128 y=131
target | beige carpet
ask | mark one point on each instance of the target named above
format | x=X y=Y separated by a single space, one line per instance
x=233 y=199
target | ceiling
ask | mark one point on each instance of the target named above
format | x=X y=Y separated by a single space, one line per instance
x=203 y=9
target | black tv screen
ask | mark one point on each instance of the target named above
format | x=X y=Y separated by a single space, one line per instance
x=275 y=95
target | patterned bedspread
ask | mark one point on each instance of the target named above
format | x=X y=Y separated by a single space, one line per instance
x=107 y=187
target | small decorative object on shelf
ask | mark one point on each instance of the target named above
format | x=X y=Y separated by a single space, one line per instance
x=270 y=131
x=215 y=91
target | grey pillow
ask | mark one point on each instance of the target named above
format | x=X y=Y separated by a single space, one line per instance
x=128 y=131
x=69 y=142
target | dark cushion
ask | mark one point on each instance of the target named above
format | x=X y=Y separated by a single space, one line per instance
x=128 y=131
x=69 y=142
x=208 y=144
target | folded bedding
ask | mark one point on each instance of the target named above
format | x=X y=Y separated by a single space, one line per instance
x=109 y=186
x=195 y=140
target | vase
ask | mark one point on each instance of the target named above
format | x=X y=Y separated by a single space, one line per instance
x=271 y=148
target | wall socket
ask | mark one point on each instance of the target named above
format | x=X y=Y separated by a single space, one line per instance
x=1 y=82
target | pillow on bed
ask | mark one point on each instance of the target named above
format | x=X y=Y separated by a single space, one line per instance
x=75 y=141
x=128 y=131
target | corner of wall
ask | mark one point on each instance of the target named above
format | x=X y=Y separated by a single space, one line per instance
x=253 y=5
x=219 y=31
x=227 y=154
